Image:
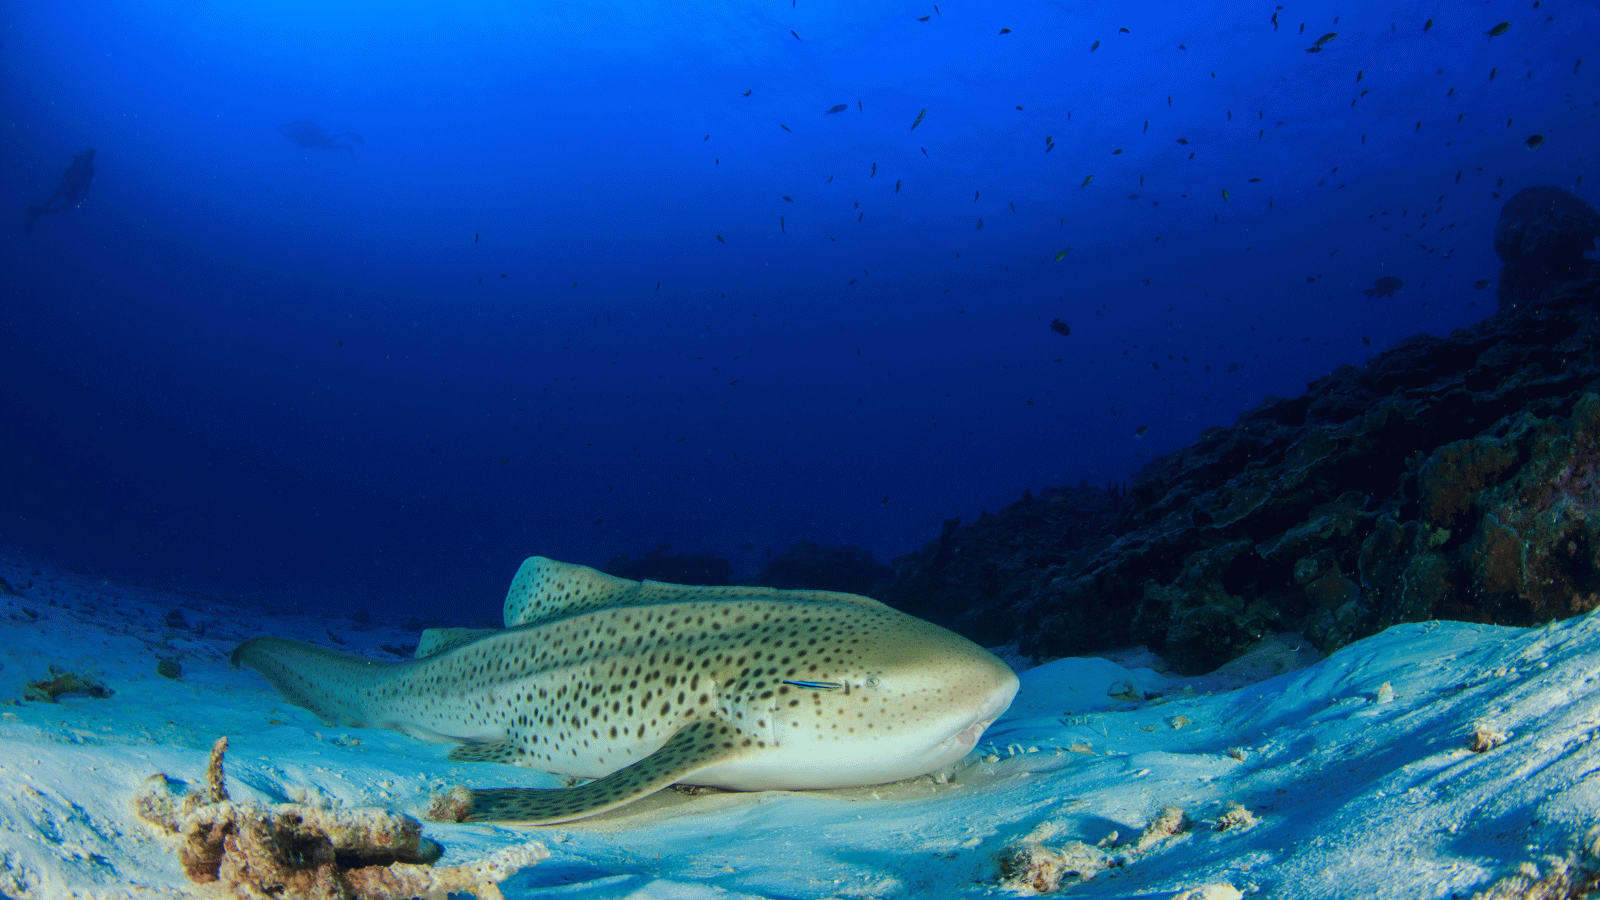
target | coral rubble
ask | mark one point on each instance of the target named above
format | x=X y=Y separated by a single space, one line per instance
x=291 y=851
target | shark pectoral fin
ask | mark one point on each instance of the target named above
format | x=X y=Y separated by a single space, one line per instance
x=695 y=746
x=494 y=751
x=435 y=641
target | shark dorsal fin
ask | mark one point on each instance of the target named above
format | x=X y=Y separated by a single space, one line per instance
x=437 y=640
x=545 y=589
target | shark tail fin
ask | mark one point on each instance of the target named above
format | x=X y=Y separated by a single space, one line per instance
x=34 y=212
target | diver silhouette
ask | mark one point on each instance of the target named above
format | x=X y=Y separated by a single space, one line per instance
x=310 y=134
x=74 y=184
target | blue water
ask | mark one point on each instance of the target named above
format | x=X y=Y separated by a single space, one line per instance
x=382 y=376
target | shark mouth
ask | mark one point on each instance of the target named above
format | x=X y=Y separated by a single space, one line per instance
x=968 y=736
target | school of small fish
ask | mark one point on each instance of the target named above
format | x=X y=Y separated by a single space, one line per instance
x=1333 y=51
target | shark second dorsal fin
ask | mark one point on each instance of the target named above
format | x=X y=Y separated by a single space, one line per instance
x=437 y=640
x=545 y=589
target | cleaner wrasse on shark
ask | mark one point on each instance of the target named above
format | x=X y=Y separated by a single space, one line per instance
x=642 y=685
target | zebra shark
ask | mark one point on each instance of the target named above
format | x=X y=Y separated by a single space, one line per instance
x=642 y=684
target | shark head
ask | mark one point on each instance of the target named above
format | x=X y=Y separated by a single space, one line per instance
x=882 y=697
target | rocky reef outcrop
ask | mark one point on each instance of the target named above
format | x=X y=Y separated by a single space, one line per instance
x=1454 y=477
x=1541 y=237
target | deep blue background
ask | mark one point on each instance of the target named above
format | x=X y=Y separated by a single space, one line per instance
x=178 y=407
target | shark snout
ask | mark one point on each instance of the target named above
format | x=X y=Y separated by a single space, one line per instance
x=993 y=706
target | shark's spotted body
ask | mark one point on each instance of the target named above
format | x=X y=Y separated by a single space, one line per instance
x=643 y=684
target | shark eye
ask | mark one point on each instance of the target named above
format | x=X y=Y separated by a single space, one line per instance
x=874 y=681
x=817 y=685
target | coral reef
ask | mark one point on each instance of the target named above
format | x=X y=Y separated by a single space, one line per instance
x=979 y=579
x=292 y=851
x=809 y=566
x=678 y=568
x=1450 y=477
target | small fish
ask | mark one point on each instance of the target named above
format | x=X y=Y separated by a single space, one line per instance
x=1094 y=46
x=1143 y=429
x=1481 y=284
x=1005 y=31
x=747 y=93
x=1184 y=141
x=830 y=178
x=923 y=18
x=474 y=239
x=1384 y=287
x=1060 y=327
x=1224 y=193
x=1535 y=141
x=1123 y=31
x=1426 y=25
x=858 y=106
x=838 y=108
x=782 y=227
x=658 y=285
x=1274 y=21
x=706 y=138
x=975 y=196
x=1498 y=30
x=796 y=36
x=502 y=274
x=874 y=171
x=1086 y=180
x=1116 y=152
x=720 y=240
x=1327 y=37
x=787 y=199
x=480 y=279
x=1063 y=254
x=852 y=281
x=897 y=185
x=936 y=10
x=980 y=225
x=341 y=343
x=784 y=127
x=924 y=150
x=1365 y=339
x=919 y=120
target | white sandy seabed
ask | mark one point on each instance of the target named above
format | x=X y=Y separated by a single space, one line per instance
x=1354 y=776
